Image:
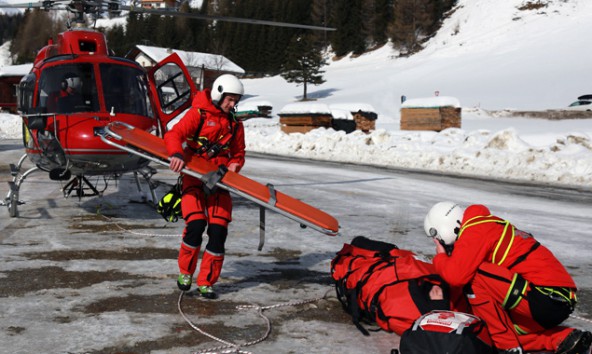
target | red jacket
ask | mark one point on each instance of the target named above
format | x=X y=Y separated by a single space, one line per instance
x=217 y=127
x=478 y=243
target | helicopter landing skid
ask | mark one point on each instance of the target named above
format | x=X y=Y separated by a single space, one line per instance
x=147 y=172
x=12 y=198
x=81 y=186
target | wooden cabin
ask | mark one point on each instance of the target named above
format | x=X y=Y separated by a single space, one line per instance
x=204 y=68
x=10 y=76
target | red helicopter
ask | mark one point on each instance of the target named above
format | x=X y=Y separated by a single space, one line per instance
x=76 y=88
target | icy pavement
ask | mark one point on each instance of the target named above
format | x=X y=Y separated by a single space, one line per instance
x=98 y=275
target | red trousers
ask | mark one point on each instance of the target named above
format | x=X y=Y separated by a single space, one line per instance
x=210 y=268
x=216 y=209
x=490 y=287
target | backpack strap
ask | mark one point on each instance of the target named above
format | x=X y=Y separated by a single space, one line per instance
x=202 y=119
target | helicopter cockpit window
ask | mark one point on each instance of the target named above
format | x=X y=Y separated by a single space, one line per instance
x=125 y=90
x=68 y=88
x=25 y=93
x=173 y=89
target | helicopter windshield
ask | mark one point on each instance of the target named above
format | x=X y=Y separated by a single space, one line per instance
x=68 y=88
x=125 y=90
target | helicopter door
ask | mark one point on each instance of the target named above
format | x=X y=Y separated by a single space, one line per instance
x=172 y=87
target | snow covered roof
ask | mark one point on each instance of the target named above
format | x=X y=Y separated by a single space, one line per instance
x=305 y=107
x=193 y=59
x=15 y=70
x=337 y=110
x=431 y=102
x=253 y=105
x=353 y=107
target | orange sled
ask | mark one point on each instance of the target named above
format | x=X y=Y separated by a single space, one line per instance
x=151 y=147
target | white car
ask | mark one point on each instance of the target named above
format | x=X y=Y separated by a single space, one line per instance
x=584 y=103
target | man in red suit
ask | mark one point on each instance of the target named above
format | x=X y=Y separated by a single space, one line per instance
x=515 y=284
x=210 y=130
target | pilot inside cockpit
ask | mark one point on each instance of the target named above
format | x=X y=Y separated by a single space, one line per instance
x=68 y=98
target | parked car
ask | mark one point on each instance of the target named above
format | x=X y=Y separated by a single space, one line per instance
x=584 y=103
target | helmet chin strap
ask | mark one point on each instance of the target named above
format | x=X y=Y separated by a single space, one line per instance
x=447 y=248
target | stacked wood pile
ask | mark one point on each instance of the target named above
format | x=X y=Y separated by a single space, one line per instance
x=365 y=121
x=425 y=116
x=436 y=119
x=303 y=117
x=304 y=122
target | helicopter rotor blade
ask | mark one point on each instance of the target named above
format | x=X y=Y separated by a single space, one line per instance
x=28 y=5
x=46 y=5
x=224 y=18
x=114 y=6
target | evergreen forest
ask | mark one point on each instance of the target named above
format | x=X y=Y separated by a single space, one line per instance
x=361 y=26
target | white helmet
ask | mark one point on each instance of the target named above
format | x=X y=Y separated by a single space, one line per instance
x=71 y=80
x=226 y=84
x=443 y=222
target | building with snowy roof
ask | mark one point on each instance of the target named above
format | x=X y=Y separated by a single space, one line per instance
x=10 y=76
x=204 y=68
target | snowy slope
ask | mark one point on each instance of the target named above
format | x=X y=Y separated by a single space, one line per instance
x=488 y=54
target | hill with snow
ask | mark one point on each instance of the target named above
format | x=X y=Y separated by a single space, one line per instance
x=488 y=54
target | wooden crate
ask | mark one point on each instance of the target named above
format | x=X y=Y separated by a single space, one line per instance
x=303 y=123
x=437 y=119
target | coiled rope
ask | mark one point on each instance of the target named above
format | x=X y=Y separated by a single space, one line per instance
x=229 y=347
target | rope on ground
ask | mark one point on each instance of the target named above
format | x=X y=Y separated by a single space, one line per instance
x=122 y=229
x=229 y=347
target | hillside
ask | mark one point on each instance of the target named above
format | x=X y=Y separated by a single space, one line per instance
x=487 y=54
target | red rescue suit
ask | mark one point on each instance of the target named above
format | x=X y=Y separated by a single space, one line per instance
x=206 y=128
x=512 y=280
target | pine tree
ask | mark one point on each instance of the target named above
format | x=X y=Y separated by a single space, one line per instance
x=346 y=17
x=303 y=64
x=376 y=15
x=319 y=14
x=33 y=34
x=260 y=50
x=411 y=24
x=9 y=25
x=116 y=40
